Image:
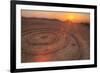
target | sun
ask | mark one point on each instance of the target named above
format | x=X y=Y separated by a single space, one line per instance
x=71 y=17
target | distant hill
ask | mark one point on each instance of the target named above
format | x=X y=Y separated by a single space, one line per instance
x=32 y=23
x=37 y=20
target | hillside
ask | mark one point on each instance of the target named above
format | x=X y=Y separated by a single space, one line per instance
x=53 y=40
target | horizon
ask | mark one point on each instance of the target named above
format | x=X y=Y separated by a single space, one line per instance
x=74 y=17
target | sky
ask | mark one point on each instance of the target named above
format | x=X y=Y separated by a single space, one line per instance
x=63 y=16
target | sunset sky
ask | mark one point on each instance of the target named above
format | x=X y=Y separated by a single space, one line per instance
x=63 y=16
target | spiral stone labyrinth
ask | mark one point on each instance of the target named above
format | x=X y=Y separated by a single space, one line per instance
x=45 y=42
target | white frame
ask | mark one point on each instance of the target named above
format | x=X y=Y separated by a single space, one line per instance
x=51 y=64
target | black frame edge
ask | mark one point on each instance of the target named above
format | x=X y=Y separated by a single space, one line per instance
x=55 y=4
x=56 y=68
x=12 y=37
x=95 y=35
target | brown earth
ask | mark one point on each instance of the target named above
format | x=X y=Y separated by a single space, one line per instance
x=53 y=40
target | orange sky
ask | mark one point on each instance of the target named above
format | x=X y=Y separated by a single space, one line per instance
x=63 y=16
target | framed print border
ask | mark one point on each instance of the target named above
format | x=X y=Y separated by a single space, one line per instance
x=13 y=35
